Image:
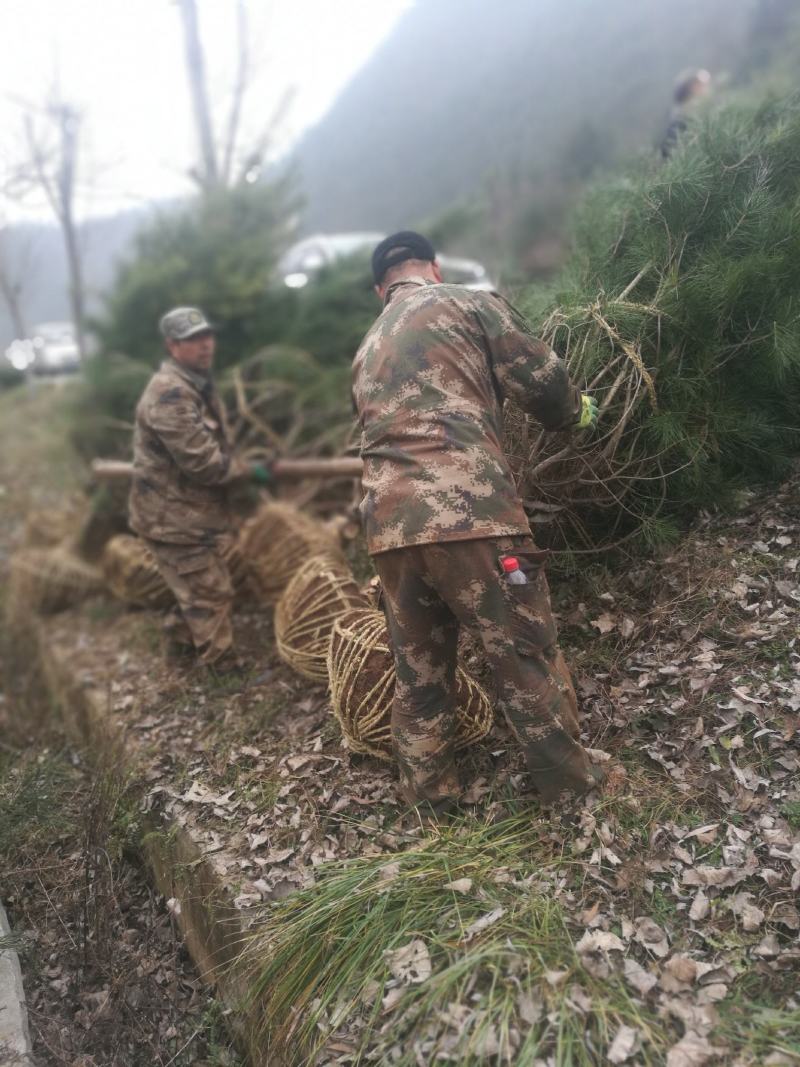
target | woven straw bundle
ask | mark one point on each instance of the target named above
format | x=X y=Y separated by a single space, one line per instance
x=321 y=591
x=48 y=527
x=276 y=543
x=45 y=580
x=131 y=573
x=362 y=679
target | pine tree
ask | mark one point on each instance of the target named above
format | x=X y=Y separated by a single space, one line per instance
x=679 y=311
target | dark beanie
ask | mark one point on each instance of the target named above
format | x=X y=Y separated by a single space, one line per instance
x=397 y=248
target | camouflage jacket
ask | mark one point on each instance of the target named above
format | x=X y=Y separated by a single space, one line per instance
x=182 y=464
x=429 y=382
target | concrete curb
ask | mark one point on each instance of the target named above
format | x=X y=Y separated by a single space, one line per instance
x=211 y=925
x=15 y=1041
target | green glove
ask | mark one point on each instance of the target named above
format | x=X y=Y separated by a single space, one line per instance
x=588 y=417
x=261 y=474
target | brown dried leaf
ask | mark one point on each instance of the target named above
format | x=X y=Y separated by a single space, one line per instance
x=650 y=934
x=637 y=977
x=693 y=1050
x=700 y=907
x=486 y=920
x=599 y=941
x=410 y=964
x=624 y=1045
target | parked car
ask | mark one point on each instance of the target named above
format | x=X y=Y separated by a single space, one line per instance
x=304 y=260
x=55 y=348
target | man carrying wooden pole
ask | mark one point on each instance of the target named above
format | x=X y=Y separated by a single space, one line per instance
x=182 y=471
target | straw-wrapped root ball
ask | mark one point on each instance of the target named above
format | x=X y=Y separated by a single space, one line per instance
x=362 y=681
x=48 y=527
x=45 y=580
x=277 y=543
x=131 y=572
x=320 y=592
x=132 y=575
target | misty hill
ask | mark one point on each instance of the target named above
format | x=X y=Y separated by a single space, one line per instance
x=465 y=88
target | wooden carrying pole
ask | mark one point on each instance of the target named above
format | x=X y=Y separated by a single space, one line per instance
x=112 y=470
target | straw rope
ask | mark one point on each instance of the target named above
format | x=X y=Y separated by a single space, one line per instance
x=362 y=682
x=321 y=591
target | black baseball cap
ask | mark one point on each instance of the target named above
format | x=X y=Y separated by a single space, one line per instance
x=406 y=244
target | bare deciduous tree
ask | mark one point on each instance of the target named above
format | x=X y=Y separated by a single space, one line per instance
x=12 y=270
x=217 y=165
x=53 y=151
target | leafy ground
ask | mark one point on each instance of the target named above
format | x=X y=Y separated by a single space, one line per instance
x=655 y=925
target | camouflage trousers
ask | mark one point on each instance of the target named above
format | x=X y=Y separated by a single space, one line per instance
x=199 y=579
x=429 y=592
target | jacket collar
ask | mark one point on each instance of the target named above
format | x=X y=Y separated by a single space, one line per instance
x=201 y=382
x=404 y=287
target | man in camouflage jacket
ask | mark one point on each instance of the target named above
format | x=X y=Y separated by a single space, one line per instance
x=182 y=470
x=441 y=513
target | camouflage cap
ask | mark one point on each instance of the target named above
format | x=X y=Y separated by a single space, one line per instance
x=182 y=323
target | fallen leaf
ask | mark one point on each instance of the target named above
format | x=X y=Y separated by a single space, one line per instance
x=751 y=916
x=700 y=906
x=768 y=948
x=389 y=872
x=786 y=914
x=650 y=934
x=605 y=623
x=481 y=924
x=599 y=941
x=681 y=968
x=461 y=885
x=624 y=1044
x=693 y=1050
x=278 y=855
x=705 y=875
x=637 y=977
x=392 y=999
x=530 y=1008
x=410 y=964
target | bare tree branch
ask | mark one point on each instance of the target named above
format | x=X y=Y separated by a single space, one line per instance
x=55 y=168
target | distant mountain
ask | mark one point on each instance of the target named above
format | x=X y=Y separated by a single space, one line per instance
x=465 y=88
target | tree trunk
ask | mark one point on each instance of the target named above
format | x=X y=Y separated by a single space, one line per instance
x=11 y=291
x=196 y=73
x=66 y=185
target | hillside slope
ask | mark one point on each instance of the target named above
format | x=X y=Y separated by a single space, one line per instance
x=463 y=87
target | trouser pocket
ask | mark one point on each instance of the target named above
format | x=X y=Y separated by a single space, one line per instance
x=532 y=622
